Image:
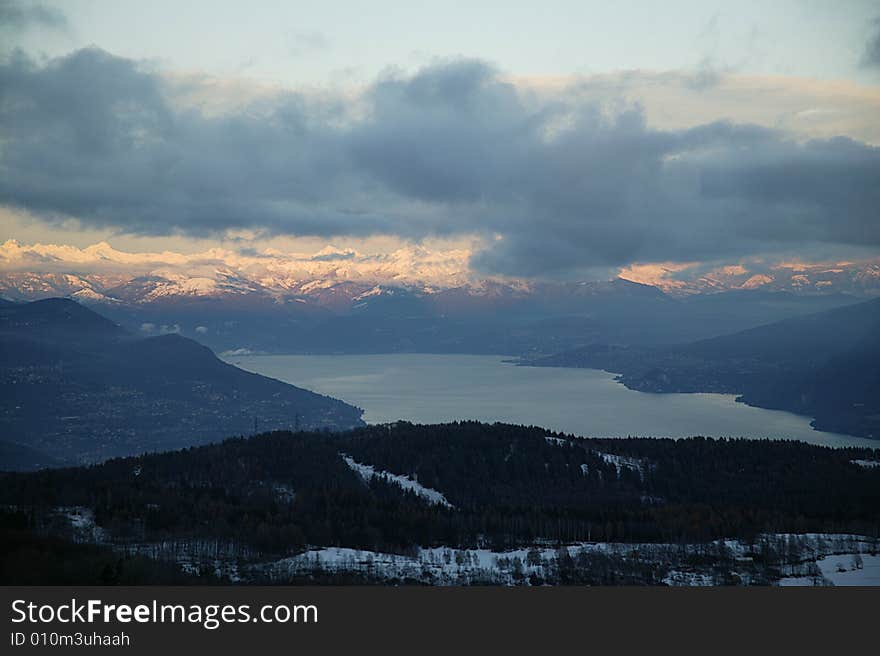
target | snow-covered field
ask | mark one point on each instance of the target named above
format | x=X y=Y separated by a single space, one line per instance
x=440 y=565
x=842 y=569
x=803 y=559
x=447 y=566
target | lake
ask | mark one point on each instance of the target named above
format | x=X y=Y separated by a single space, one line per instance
x=439 y=388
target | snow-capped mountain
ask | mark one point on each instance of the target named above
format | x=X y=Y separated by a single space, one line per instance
x=331 y=277
x=856 y=278
x=336 y=278
x=24 y=286
x=414 y=299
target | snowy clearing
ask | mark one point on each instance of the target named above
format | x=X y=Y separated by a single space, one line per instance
x=368 y=472
x=841 y=570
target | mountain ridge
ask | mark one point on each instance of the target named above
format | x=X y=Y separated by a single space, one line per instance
x=786 y=365
x=80 y=388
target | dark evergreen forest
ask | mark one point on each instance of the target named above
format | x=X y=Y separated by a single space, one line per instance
x=276 y=493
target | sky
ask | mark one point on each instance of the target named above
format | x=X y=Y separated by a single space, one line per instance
x=547 y=140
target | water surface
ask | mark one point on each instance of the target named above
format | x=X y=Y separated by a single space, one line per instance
x=438 y=388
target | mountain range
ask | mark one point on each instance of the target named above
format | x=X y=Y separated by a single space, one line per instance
x=102 y=273
x=414 y=299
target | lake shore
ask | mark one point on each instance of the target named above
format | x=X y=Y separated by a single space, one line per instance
x=431 y=388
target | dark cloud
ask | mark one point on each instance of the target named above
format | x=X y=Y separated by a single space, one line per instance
x=871 y=55
x=93 y=136
x=557 y=186
x=20 y=15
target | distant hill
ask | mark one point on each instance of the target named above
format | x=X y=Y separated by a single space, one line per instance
x=57 y=320
x=825 y=365
x=807 y=339
x=78 y=387
x=18 y=457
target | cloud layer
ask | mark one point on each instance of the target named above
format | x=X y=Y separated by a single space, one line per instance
x=557 y=183
x=19 y=15
x=871 y=55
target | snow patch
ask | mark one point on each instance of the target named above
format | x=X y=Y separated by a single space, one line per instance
x=82 y=522
x=284 y=493
x=375 y=291
x=623 y=462
x=841 y=570
x=368 y=472
x=677 y=578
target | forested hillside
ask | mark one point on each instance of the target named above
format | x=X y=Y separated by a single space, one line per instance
x=78 y=388
x=502 y=485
